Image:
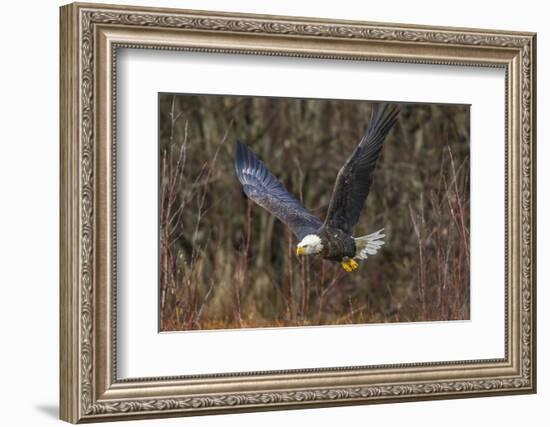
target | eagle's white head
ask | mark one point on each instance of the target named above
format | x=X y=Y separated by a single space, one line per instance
x=310 y=244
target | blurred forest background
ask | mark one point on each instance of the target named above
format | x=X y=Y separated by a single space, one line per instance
x=227 y=263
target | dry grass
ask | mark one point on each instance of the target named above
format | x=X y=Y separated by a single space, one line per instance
x=226 y=263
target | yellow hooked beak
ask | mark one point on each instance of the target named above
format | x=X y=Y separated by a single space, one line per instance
x=299 y=250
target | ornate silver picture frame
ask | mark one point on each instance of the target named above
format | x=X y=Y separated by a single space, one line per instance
x=91 y=36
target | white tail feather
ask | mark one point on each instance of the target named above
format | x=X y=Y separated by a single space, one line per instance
x=368 y=245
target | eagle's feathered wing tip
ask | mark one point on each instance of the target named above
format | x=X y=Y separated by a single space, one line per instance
x=383 y=117
x=239 y=158
x=236 y=156
x=243 y=160
x=384 y=110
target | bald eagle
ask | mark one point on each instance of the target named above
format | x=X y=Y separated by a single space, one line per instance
x=331 y=239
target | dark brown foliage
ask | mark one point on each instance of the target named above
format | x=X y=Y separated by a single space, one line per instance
x=226 y=263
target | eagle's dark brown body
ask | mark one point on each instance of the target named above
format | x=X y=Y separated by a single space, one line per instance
x=337 y=245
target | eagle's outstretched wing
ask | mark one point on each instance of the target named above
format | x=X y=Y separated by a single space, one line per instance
x=260 y=185
x=355 y=177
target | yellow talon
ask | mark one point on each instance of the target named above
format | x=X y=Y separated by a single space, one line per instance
x=349 y=265
x=345 y=266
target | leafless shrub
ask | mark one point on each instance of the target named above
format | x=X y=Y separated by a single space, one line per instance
x=445 y=235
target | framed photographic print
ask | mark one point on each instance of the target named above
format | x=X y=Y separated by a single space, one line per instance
x=265 y=212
